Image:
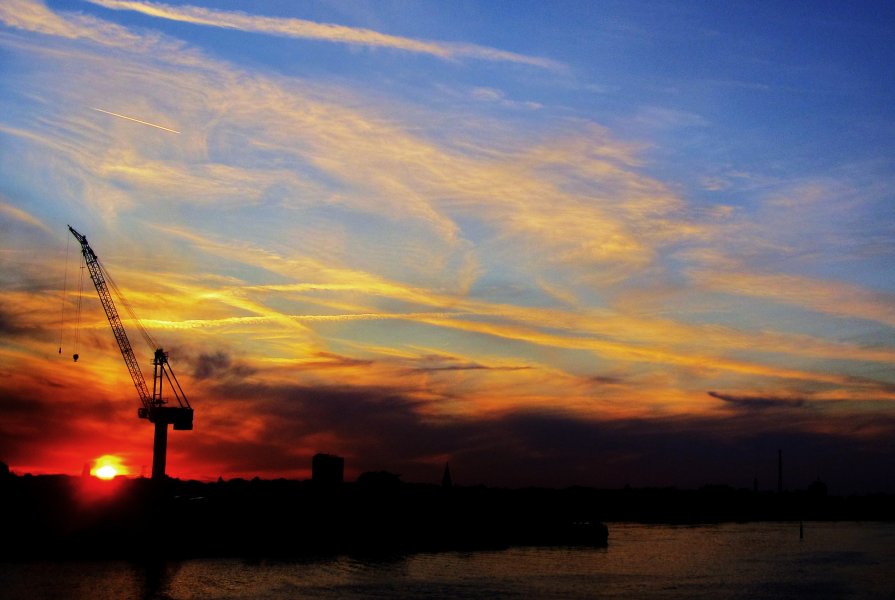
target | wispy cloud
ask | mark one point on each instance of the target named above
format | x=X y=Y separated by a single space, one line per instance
x=612 y=336
x=830 y=297
x=659 y=118
x=35 y=16
x=486 y=94
x=576 y=201
x=328 y=32
x=17 y=214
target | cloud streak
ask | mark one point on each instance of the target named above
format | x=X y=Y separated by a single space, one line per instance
x=759 y=402
x=327 y=32
x=830 y=297
x=11 y=212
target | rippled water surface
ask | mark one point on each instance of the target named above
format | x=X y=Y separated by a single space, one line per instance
x=755 y=560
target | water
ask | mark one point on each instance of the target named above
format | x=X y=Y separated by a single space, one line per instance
x=754 y=560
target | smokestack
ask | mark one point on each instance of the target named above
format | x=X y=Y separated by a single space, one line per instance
x=779 y=471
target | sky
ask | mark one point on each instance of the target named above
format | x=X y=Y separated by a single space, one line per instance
x=548 y=243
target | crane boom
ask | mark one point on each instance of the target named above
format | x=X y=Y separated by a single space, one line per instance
x=105 y=298
x=152 y=403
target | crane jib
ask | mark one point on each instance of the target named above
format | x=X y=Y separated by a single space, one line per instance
x=153 y=405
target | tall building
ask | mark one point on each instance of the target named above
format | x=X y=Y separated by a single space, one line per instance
x=327 y=469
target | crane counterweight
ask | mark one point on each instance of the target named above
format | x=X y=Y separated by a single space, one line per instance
x=153 y=404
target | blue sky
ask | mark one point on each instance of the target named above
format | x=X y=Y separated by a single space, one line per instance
x=511 y=227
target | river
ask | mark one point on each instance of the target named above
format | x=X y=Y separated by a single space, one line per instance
x=736 y=560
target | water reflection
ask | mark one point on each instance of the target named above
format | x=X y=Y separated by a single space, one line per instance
x=156 y=577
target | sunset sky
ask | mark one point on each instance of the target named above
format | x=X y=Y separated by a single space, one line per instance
x=552 y=243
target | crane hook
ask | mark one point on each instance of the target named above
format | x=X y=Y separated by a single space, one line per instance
x=75 y=356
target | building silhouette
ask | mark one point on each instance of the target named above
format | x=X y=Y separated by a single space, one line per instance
x=327 y=469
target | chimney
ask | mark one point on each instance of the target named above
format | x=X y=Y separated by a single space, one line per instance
x=779 y=471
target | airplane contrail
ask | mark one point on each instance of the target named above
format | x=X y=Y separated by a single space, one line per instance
x=134 y=120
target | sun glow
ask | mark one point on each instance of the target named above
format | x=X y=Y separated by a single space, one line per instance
x=107 y=472
x=108 y=467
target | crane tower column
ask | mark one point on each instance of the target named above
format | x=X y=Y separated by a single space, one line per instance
x=159 y=450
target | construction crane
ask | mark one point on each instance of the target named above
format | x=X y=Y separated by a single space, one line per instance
x=153 y=407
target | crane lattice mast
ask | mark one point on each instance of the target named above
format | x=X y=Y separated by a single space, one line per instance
x=153 y=404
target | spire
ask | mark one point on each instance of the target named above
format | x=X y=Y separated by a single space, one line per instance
x=446 y=478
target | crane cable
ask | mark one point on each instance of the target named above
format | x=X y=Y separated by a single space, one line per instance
x=127 y=306
x=64 y=291
x=64 y=297
x=78 y=323
x=115 y=289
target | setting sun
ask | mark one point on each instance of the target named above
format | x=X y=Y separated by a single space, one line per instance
x=108 y=467
x=107 y=472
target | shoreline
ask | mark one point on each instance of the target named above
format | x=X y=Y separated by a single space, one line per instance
x=57 y=516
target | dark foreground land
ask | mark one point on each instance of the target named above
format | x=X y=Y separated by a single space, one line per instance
x=61 y=516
